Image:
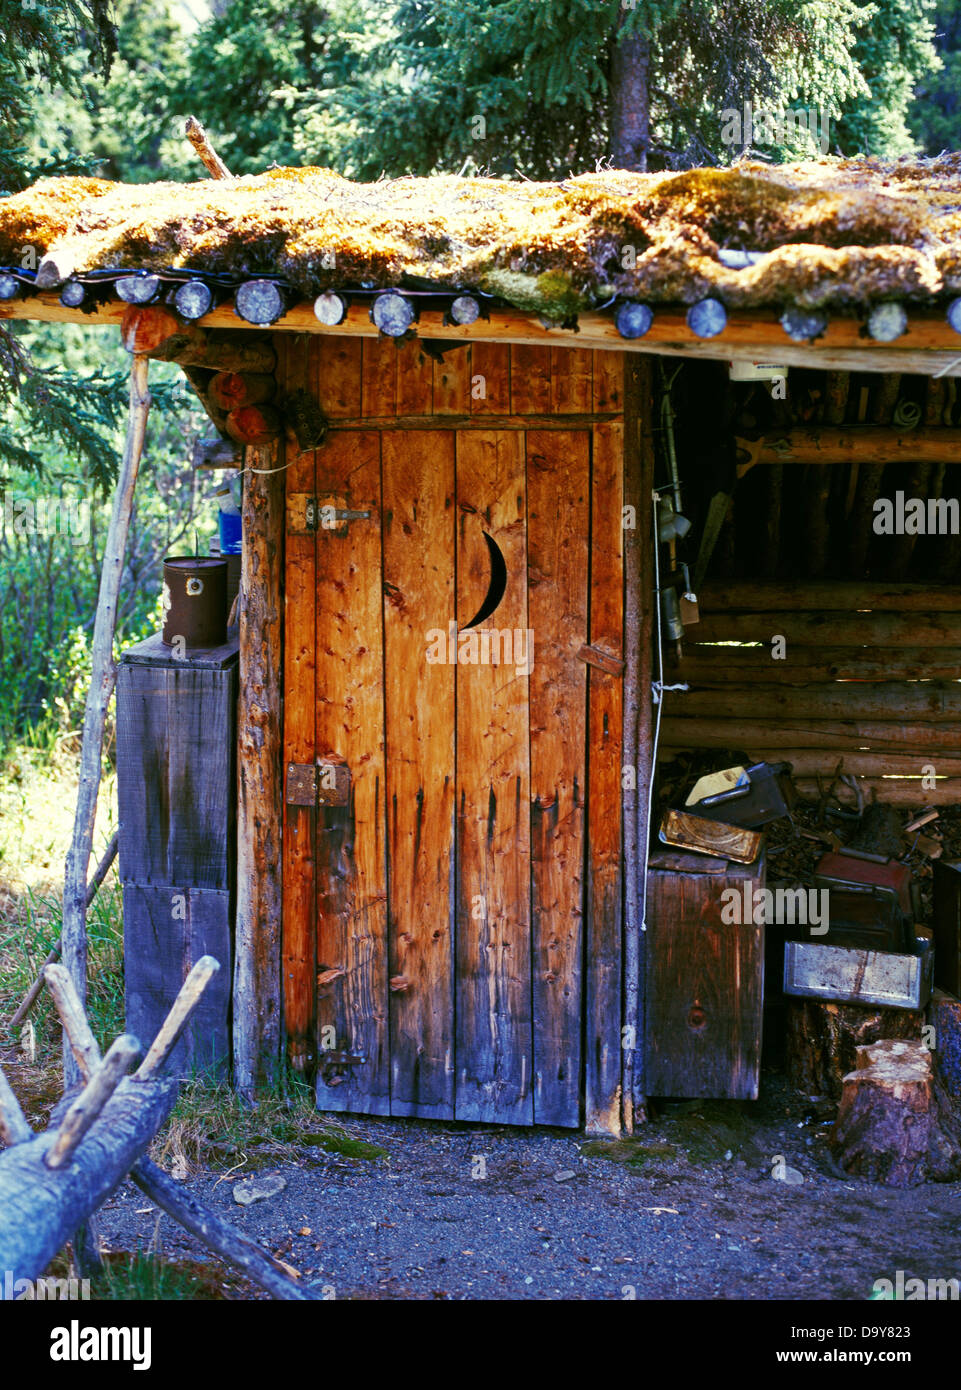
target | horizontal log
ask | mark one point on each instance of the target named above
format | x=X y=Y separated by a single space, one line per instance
x=473 y=422
x=893 y=791
x=759 y=737
x=720 y=666
x=748 y=335
x=230 y=390
x=812 y=629
x=154 y=330
x=41 y=1208
x=806 y=762
x=831 y=444
x=930 y=701
x=762 y=595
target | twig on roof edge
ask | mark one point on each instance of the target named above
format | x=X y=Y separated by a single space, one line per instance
x=200 y=140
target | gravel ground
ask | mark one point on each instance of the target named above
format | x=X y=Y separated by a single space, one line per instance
x=686 y=1210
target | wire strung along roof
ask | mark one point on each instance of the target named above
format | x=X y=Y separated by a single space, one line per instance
x=839 y=233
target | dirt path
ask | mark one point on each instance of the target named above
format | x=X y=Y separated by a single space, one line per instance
x=457 y=1212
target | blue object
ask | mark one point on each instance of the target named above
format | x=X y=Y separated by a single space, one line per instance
x=230 y=533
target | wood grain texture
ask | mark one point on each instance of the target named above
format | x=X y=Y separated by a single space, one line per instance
x=603 y=997
x=339 y=376
x=493 y=960
x=490 y=379
x=531 y=391
x=415 y=380
x=379 y=376
x=304 y=365
x=260 y=809
x=452 y=380
x=418 y=473
x=176 y=772
x=571 y=380
x=351 y=870
x=705 y=981
x=607 y=380
x=558 y=505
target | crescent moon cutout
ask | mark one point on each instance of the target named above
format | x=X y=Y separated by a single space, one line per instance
x=497 y=586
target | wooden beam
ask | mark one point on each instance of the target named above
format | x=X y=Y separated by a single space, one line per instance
x=893 y=791
x=852 y=444
x=760 y=736
x=260 y=806
x=929 y=347
x=812 y=629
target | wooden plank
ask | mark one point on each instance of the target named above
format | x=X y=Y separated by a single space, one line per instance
x=260 y=782
x=176 y=773
x=571 y=380
x=418 y=597
x=415 y=380
x=531 y=380
x=895 y=791
x=350 y=865
x=304 y=363
x=807 y=761
x=339 y=376
x=378 y=377
x=705 y=980
x=608 y=381
x=490 y=379
x=558 y=507
x=479 y=422
x=603 y=998
x=493 y=999
x=166 y=930
x=452 y=382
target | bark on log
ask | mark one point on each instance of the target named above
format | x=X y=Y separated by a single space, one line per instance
x=822 y=1040
x=201 y=142
x=157 y=332
x=242 y=1252
x=893 y=792
x=74 y=933
x=806 y=762
x=40 y=1208
x=256 y=1000
x=848 y=597
x=895 y=1124
x=83 y=1111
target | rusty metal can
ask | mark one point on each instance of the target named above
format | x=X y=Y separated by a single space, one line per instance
x=194 y=601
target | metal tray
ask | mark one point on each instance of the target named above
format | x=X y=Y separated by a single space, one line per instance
x=842 y=973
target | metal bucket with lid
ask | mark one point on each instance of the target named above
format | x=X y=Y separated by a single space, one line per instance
x=194 y=601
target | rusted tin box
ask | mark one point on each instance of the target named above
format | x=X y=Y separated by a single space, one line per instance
x=194 y=601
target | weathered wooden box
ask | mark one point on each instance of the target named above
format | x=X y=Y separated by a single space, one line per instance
x=704 y=984
x=176 y=772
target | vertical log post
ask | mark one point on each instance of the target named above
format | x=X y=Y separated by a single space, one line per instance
x=257 y=968
x=639 y=599
x=103 y=674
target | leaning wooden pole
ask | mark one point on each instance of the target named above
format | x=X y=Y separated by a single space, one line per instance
x=74 y=933
x=257 y=969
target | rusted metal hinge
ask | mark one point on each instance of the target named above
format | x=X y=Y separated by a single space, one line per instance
x=318 y=784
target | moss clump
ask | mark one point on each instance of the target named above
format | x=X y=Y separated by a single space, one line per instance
x=631 y=1152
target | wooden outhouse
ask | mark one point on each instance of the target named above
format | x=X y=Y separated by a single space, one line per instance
x=448 y=694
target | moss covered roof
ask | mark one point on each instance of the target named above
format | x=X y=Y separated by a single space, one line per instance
x=839 y=232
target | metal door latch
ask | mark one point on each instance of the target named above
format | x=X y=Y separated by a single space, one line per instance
x=322 y=514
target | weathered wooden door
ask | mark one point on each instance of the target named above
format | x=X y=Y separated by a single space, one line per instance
x=452 y=897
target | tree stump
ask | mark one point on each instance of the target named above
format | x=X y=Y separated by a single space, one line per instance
x=823 y=1039
x=895 y=1123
